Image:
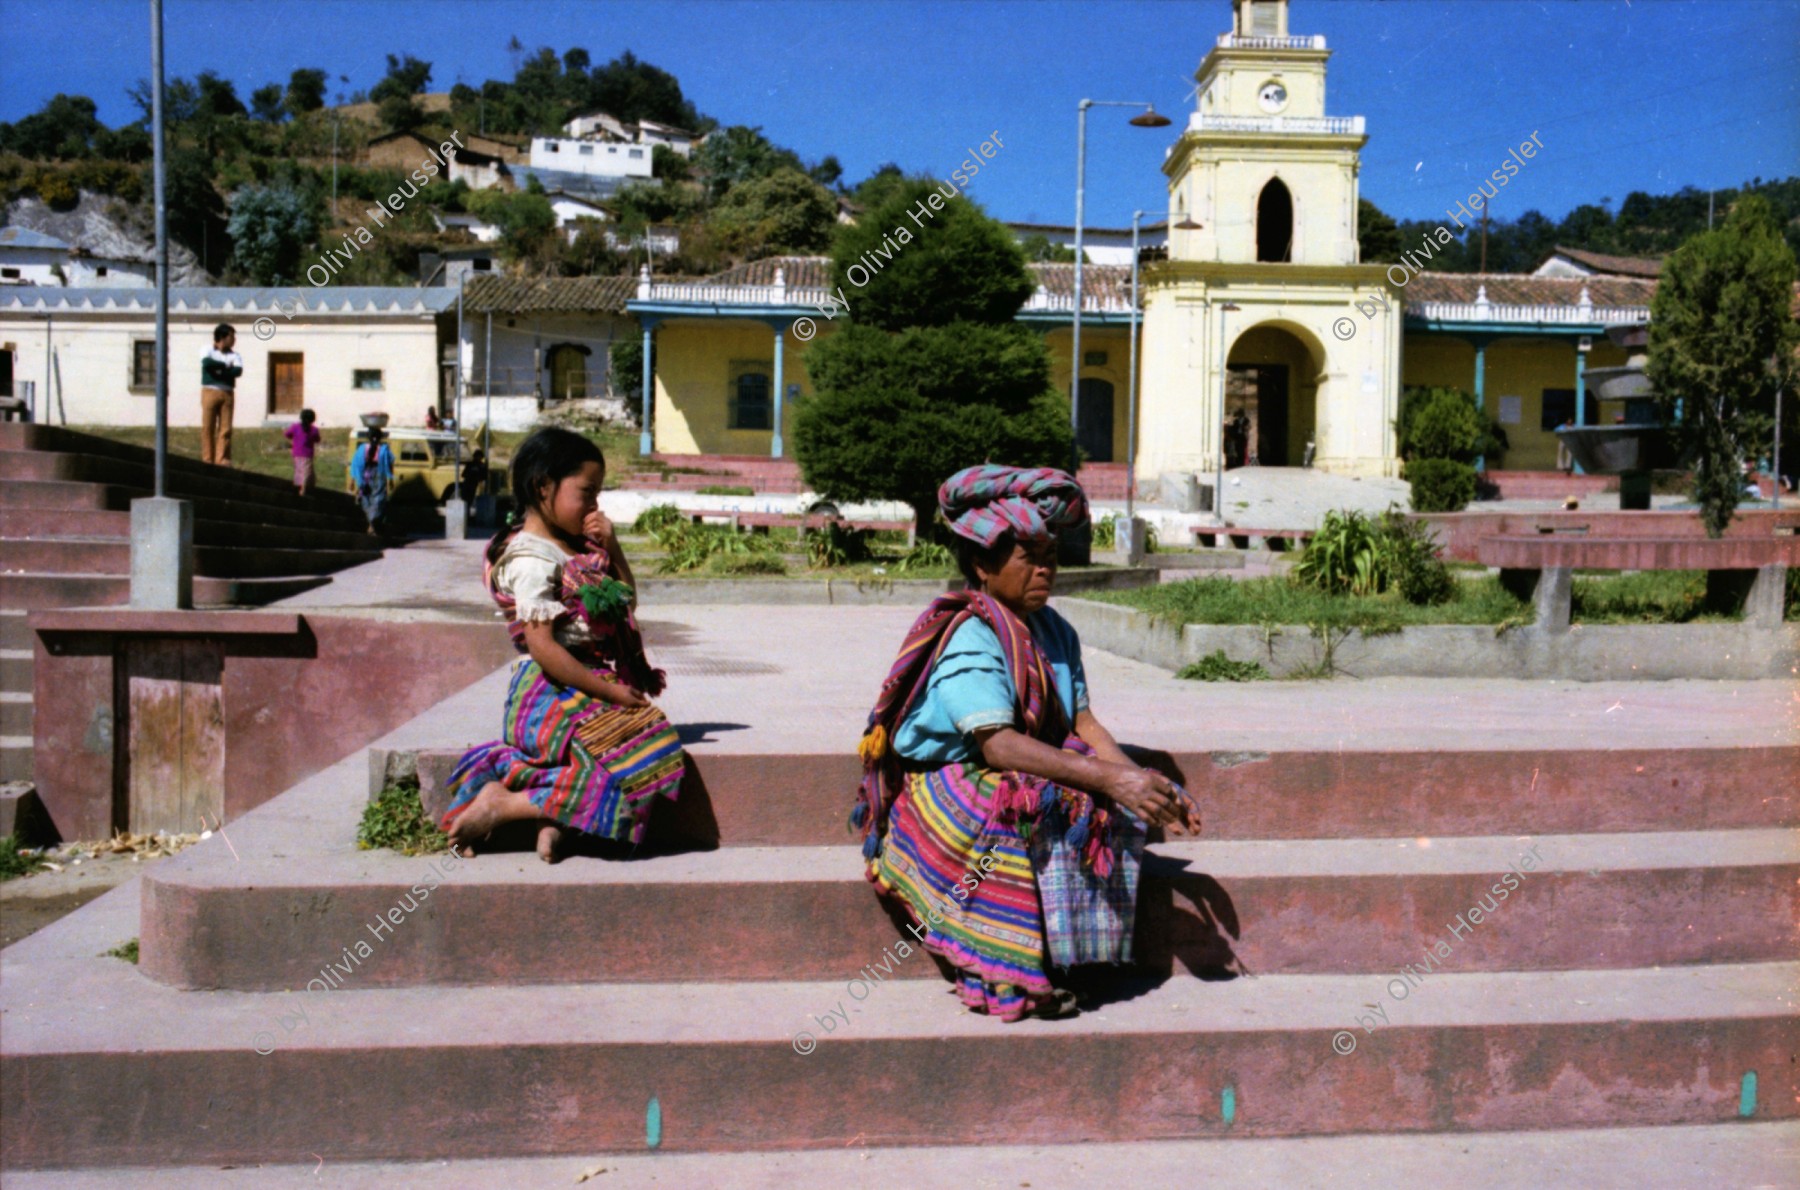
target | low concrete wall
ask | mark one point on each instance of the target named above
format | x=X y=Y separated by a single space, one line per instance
x=857 y=592
x=268 y=698
x=1585 y=653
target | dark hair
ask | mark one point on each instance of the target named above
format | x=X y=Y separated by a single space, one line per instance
x=308 y=417
x=549 y=456
x=991 y=557
x=223 y=329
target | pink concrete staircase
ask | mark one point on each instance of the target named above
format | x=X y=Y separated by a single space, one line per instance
x=751 y=998
x=65 y=541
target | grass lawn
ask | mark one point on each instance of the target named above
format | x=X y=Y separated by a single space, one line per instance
x=263 y=450
x=1662 y=597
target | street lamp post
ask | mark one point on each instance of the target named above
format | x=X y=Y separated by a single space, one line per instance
x=1219 y=421
x=1148 y=118
x=1131 y=384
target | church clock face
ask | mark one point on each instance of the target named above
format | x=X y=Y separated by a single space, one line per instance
x=1273 y=97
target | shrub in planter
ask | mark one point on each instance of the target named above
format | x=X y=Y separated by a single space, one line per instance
x=1440 y=485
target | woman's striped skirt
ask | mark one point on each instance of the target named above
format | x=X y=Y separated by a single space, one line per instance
x=586 y=763
x=983 y=890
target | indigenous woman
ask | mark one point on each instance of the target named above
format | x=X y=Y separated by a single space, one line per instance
x=583 y=748
x=995 y=806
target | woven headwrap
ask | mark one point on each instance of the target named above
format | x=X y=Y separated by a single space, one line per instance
x=981 y=503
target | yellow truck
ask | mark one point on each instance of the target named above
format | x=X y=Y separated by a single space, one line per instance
x=424 y=463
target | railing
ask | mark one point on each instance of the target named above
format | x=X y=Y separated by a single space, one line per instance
x=1287 y=125
x=1495 y=312
x=1064 y=303
x=731 y=295
x=1235 y=41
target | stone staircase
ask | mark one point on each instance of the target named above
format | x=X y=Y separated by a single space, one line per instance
x=65 y=541
x=1304 y=974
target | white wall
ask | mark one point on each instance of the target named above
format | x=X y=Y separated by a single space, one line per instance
x=94 y=354
x=34 y=265
x=599 y=158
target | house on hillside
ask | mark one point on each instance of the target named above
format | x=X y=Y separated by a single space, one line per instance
x=603 y=126
x=33 y=258
x=1573 y=262
x=1101 y=245
x=404 y=151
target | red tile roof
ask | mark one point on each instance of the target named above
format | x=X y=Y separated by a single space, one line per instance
x=1621 y=266
x=1519 y=289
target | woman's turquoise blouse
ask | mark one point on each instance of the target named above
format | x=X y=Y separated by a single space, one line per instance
x=970 y=688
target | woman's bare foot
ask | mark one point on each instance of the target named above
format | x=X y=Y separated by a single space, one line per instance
x=494 y=805
x=551 y=838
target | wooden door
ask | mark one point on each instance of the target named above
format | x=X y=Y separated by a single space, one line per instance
x=175 y=735
x=287 y=382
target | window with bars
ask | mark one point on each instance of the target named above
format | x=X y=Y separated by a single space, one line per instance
x=750 y=400
x=143 y=364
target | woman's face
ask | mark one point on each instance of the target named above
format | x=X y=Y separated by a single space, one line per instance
x=1024 y=581
x=573 y=497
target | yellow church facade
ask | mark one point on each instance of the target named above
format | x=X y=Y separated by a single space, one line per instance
x=1264 y=338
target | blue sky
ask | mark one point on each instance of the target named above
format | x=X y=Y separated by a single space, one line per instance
x=1641 y=95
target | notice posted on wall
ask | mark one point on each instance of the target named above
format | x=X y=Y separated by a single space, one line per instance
x=1512 y=410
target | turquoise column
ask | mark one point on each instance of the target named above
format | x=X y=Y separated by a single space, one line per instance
x=780 y=342
x=1580 y=394
x=645 y=442
x=1480 y=389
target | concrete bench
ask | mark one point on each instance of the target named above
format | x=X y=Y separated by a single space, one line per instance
x=1244 y=539
x=1741 y=572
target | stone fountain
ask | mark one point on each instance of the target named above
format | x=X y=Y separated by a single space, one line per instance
x=1629 y=450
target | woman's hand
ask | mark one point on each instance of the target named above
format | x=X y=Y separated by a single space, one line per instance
x=1152 y=797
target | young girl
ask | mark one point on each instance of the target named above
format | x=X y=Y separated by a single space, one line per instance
x=583 y=747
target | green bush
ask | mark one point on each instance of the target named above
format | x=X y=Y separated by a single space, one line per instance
x=1443 y=423
x=1418 y=573
x=725 y=489
x=1440 y=485
x=929 y=555
x=1344 y=556
x=658 y=517
x=396 y=820
x=125 y=950
x=1217 y=667
x=15 y=863
x=743 y=564
x=690 y=545
x=836 y=544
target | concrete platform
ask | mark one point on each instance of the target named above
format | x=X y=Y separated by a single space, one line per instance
x=1743 y=1154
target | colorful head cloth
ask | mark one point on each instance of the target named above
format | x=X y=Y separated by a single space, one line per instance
x=983 y=502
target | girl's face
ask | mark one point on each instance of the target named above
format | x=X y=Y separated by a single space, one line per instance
x=568 y=502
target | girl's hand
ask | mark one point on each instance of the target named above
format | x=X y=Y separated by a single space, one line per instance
x=622 y=695
x=597 y=526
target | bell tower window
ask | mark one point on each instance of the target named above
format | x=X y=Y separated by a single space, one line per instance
x=1275 y=223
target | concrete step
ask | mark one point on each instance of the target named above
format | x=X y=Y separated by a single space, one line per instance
x=1315 y=795
x=15 y=758
x=751 y=913
x=15 y=713
x=216 y=483
x=19 y=522
x=15 y=632
x=44 y=500
x=163 y=1076
x=15 y=670
x=36 y=591
x=105 y=555
x=17 y=436
x=1743 y=1153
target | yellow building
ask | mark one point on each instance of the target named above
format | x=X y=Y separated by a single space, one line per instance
x=1264 y=337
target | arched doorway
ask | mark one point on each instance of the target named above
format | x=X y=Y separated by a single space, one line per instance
x=1271 y=398
x=568 y=372
x=1275 y=223
x=1094 y=425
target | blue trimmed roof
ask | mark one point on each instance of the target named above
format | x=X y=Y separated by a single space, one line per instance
x=23 y=237
x=330 y=299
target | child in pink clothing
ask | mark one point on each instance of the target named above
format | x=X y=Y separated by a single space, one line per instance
x=304 y=437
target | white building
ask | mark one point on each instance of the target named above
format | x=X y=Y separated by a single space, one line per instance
x=33 y=258
x=678 y=139
x=1101 y=245
x=89 y=354
x=594 y=158
x=603 y=126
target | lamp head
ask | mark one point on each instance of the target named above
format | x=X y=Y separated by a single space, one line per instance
x=1150 y=118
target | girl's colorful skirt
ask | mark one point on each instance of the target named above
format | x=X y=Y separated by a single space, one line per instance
x=588 y=764
x=1003 y=921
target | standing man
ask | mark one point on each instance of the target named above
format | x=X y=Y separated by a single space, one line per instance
x=219 y=370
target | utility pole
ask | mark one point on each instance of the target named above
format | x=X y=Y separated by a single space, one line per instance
x=1484 y=227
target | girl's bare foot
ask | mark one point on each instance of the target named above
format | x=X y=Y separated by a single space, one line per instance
x=550 y=840
x=494 y=805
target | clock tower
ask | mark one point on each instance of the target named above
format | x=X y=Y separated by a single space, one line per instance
x=1260 y=319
